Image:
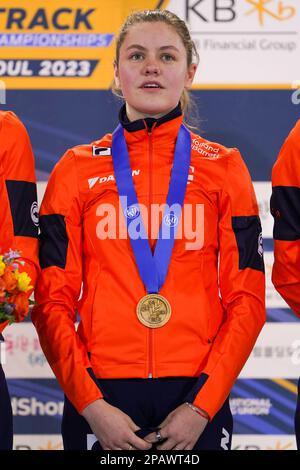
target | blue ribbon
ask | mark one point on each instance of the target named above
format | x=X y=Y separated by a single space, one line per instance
x=152 y=268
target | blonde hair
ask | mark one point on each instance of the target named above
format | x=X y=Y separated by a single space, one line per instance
x=169 y=18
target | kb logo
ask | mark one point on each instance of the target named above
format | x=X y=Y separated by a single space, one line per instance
x=263 y=9
x=220 y=11
x=225 y=11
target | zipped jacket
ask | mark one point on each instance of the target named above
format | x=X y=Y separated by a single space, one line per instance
x=285 y=208
x=19 y=207
x=215 y=288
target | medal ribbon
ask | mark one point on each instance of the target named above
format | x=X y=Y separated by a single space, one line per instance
x=152 y=268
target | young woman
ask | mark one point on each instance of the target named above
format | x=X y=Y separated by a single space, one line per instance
x=285 y=210
x=166 y=324
x=19 y=226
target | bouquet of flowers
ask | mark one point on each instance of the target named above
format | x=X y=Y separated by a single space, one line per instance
x=14 y=302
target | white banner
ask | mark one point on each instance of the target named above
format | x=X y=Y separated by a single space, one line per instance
x=38 y=442
x=24 y=357
x=244 y=43
x=276 y=353
x=263 y=191
x=41 y=188
x=266 y=442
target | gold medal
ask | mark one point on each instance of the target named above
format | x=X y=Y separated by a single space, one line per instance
x=153 y=310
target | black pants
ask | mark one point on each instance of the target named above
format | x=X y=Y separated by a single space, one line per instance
x=6 y=421
x=147 y=402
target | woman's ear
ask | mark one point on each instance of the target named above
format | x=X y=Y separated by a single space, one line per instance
x=190 y=75
x=116 y=75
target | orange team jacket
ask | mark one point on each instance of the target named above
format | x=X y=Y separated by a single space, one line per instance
x=285 y=208
x=18 y=196
x=216 y=316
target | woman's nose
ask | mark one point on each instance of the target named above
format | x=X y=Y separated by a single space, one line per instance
x=152 y=67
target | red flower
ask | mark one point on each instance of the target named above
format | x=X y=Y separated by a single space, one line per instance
x=21 y=305
x=2 y=287
x=9 y=279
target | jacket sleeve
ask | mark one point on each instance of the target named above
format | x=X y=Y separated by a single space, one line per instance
x=19 y=208
x=285 y=208
x=242 y=287
x=59 y=284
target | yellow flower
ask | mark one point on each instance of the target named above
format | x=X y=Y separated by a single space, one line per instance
x=2 y=266
x=23 y=281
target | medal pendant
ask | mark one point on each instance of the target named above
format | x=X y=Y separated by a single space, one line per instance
x=153 y=310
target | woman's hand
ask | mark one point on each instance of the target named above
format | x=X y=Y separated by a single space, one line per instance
x=114 y=429
x=182 y=428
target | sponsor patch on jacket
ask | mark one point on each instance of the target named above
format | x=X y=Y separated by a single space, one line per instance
x=22 y=198
x=106 y=179
x=101 y=151
x=205 y=149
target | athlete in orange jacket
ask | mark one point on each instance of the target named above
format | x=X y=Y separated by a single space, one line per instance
x=285 y=208
x=215 y=289
x=18 y=222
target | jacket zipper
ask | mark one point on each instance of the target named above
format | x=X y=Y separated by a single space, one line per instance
x=151 y=332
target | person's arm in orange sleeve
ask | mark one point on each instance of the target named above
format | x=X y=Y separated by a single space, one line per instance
x=18 y=195
x=285 y=208
x=242 y=288
x=59 y=284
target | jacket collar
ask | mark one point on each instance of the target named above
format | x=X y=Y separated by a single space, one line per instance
x=147 y=123
x=165 y=128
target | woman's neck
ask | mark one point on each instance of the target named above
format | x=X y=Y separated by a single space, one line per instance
x=134 y=115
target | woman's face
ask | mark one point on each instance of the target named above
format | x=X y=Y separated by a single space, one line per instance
x=152 y=71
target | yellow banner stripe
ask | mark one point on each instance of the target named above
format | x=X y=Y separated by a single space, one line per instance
x=243 y=86
x=287 y=385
